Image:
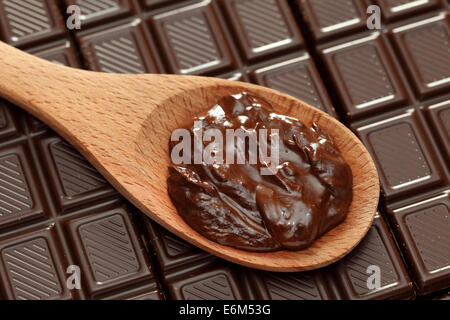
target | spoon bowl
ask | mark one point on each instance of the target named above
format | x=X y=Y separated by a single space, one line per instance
x=122 y=124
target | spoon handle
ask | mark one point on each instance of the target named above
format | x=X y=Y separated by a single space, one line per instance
x=67 y=99
x=28 y=81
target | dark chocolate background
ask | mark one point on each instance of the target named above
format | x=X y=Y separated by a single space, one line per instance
x=392 y=87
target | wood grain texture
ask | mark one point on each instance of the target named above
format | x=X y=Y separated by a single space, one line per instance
x=122 y=125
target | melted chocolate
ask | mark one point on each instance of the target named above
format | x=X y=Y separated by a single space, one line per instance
x=235 y=205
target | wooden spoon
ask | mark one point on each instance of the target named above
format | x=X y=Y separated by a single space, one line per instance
x=122 y=125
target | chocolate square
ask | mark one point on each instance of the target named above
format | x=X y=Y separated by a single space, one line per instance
x=20 y=197
x=424 y=231
x=424 y=46
x=376 y=249
x=8 y=125
x=61 y=52
x=402 y=154
x=109 y=251
x=289 y=286
x=364 y=75
x=172 y=252
x=193 y=40
x=263 y=27
x=396 y=9
x=439 y=114
x=32 y=267
x=74 y=179
x=27 y=22
x=209 y=283
x=297 y=76
x=120 y=48
x=150 y=291
x=94 y=12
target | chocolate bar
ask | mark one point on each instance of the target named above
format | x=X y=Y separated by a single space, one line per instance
x=389 y=86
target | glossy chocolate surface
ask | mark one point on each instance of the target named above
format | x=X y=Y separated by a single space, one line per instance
x=308 y=193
